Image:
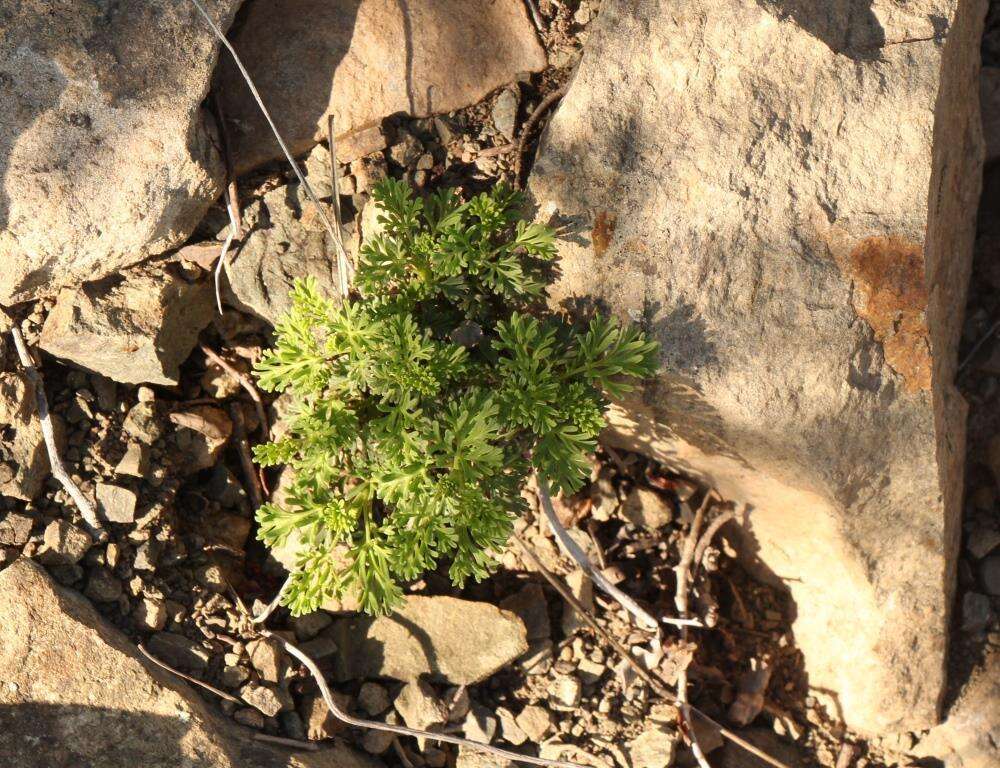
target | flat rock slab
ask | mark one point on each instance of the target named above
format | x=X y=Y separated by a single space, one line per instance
x=134 y=328
x=784 y=195
x=74 y=691
x=452 y=640
x=106 y=155
x=363 y=60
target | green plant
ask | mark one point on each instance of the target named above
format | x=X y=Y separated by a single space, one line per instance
x=421 y=405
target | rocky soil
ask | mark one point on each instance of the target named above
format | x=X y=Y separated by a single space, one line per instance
x=154 y=428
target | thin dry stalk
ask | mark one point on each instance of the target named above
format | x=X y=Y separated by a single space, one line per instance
x=244 y=381
x=49 y=436
x=536 y=17
x=572 y=549
x=221 y=262
x=589 y=619
x=195 y=680
x=658 y=685
x=707 y=536
x=246 y=460
x=399 y=730
x=333 y=231
x=272 y=606
x=529 y=126
x=227 y=154
x=344 y=267
x=684 y=574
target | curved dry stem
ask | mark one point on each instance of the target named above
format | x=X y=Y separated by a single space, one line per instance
x=402 y=730
x=233 y=229
x=273 y=605
x=572 y=549
x=49 y=436
x=333 y=231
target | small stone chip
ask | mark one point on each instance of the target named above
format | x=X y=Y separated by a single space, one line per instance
x=267 y=698
x=135 y=462
x=535 y=721
x=653 y=748
x=15 y=529
x=66 y=543
x=115 y=504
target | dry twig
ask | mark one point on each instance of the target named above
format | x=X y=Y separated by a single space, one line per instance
x=658 y=685
x=195 y=680
x=333 y=231
x=684 y=577
x=536 y=17
x=399 y=730
x=246 y=460
x=244 y=381
x=528 y=127
x=572 y=549
x=49 y=436
x=221 y=262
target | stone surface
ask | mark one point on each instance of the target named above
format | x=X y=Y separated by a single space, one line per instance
x=178 y=651
x=288 y=241
x=970 y=735
x=202 y=431
x=65 y=543
x=653 y=748
x=134 y=328
x=458 y=641
x=535 y=721
x=645 y=508
x=115 y=504
x=105 y=153
x=15 y=529
x=135 y=462
x=530 y=606
x=806 y=293
x=22 y=448
x=363 y=60
x=420 y=707
x=76 y=692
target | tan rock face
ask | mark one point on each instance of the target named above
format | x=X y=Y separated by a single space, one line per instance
x=134 y=328
x=363 y=60
x=105 y=155
x=74 y=691
x=970 y=736
x=784 y=194
x=23 y=450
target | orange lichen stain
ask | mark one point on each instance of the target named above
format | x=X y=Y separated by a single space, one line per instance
x=891 y=296
x=603 y=231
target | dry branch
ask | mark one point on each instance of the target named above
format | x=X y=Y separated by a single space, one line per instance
x=333 y=231
x=49 y=436
x=529 y=126
x=195 y=680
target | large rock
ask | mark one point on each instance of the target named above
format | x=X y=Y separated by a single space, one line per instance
x=74 y=691
x=970 y=736
x=784 y=194
x=133 y=328
x=363 y=60
x=105 y=153
x=458 y=641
